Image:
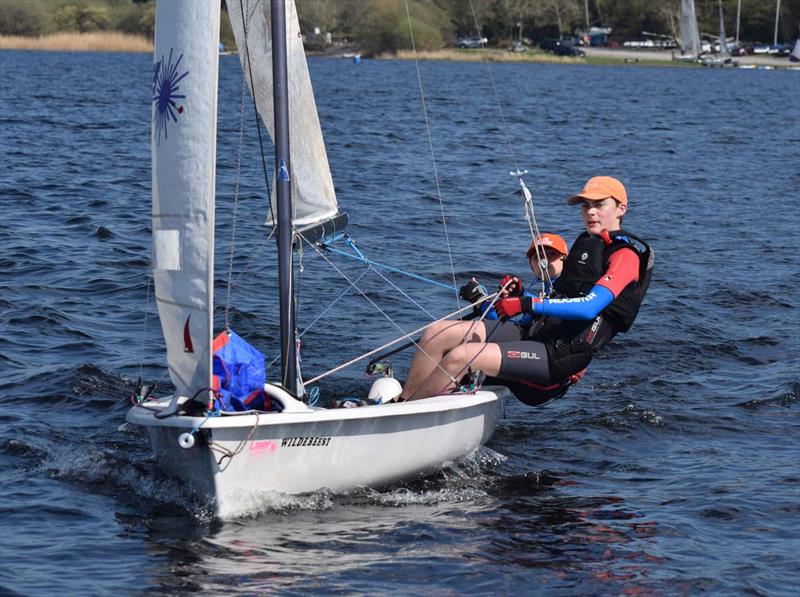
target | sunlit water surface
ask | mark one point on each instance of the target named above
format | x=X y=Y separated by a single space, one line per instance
x=672 y=468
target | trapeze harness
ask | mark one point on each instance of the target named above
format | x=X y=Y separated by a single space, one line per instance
x=541 y=361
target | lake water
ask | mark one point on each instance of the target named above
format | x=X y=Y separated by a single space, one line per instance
x=672 y=468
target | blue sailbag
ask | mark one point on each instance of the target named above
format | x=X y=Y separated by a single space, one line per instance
x=239 y=375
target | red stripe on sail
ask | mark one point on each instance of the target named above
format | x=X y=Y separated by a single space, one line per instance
x=187 y=337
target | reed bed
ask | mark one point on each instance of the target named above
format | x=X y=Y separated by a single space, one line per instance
x=100 y=41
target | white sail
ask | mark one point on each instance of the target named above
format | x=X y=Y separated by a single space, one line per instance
x=795 y=55
x=723 y=42
x=185 y=70
x=690 y=33
x=313 y=197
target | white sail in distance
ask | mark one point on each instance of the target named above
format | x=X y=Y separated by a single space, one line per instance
x=313 y=196
x=690 y=33
x=723 y=42
x=183 y=144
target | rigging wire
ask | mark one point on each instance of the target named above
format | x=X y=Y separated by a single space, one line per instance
x=144 y=326
x=255 y=108
x=401 y=291
x=342 y=294
x=381 y=311
x=433 y=154
x=395 y=341
x=235 y=201
x=496 y=95
x=530 y=215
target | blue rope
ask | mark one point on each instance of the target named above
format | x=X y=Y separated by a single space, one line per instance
x=360 y=257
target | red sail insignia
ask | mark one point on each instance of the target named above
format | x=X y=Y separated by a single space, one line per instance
x=187 y=337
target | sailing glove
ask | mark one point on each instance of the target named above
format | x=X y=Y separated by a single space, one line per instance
x=512 y=306
x=515 y=287
x=472 y=292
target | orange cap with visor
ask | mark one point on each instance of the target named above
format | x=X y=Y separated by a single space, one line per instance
x=598 y=188
x=548 y=240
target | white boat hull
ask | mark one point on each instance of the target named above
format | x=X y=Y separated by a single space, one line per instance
x=300 y=452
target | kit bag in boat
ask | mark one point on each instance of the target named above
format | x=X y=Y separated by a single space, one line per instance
x=239 y=375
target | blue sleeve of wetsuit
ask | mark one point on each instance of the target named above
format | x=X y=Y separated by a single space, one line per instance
x=585 y=307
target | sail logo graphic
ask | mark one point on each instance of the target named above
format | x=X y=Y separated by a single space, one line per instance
x=166 y=96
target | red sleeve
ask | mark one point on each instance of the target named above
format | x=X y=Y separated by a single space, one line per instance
x=623 y=268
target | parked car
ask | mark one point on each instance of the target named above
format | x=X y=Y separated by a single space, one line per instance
x=561 y=47
x=567 y=49
x=549 y=44
x=743 y=49
x=471 y=42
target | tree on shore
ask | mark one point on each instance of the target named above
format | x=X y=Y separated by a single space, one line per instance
x=378 y=26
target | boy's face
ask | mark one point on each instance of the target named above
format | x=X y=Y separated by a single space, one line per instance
x=602 y=215
x=555 y=263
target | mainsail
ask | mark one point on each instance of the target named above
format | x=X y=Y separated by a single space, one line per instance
x=183 y=147
x=690 y=33
x=723 y=42
x=313 y=197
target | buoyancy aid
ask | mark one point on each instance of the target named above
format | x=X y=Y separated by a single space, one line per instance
x=588 y=260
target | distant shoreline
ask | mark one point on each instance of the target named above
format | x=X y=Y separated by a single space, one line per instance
x=111 y=41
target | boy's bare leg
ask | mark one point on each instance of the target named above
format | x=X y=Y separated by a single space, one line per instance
x=485 y=357
x=436 y=341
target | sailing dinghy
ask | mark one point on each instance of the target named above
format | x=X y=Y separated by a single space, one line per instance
x=231 y=459
x=723 y=57
x=690 y=33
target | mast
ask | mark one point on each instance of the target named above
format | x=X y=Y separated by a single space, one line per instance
x=777 y=21
x=738 y=19
x=723 y=42
x=283 y=190
x=586 y=14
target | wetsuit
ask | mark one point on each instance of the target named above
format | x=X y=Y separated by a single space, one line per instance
x=600 y=292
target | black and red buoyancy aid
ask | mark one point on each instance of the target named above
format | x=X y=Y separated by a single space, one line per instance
x=588 y=260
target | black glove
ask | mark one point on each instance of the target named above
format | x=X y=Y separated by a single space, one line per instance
x=513 y=289
x=472 y=292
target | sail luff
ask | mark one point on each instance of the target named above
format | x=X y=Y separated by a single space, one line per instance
x=183 y=147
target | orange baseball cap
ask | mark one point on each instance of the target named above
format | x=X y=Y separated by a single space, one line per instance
x=554 y=241
x=599 y=188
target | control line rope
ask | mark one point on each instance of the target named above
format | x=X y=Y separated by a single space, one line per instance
x=433 y=155
x=395 y=341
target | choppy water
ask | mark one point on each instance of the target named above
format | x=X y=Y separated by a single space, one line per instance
x=671 y=469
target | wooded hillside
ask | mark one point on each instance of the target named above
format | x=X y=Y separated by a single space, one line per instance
x=382 y=25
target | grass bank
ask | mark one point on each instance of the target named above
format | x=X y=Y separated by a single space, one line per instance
x=101 y=41
x=490 y=54
x=534 y=56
